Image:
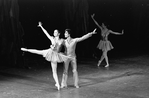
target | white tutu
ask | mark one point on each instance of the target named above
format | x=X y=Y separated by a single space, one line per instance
x=105 y=45
x=54 y=56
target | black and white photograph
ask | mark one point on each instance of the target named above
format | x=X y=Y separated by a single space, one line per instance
x=74 y=48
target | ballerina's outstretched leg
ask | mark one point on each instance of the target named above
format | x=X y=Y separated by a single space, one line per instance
x=35 y=51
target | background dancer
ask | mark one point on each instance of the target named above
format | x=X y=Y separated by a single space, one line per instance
x=70 y=45
x=104 y=44
x=52 y=54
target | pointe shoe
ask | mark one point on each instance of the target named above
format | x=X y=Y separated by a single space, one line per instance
x=77 y=86
x=23 y=49
x=98 y=63
x=63 y=86
x=107 y=65
x=58 y=86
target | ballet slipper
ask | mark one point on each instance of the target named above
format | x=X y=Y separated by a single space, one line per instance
x=107 y=65
x=77 y=86
x=98 y=63
x=58 y=86
x=63 y=86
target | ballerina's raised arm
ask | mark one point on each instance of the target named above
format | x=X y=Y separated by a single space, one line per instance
x=92 y=16
x=45 y=31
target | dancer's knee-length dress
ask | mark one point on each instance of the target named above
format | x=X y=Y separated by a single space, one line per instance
x=105 y=44
x=53 y=54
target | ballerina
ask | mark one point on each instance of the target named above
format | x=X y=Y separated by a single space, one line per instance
x=52 y=54
x=104 y=44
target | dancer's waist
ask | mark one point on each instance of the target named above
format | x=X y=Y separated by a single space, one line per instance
x=71 y=55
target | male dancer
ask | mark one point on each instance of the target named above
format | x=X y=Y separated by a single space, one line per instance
x=70 y=45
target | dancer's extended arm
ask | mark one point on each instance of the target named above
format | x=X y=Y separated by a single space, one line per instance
x=45 y=31
x=92 y=16
x=117 y=33
x=86 y=36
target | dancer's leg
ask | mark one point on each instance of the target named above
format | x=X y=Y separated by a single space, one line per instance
x=65 y=74
x=54 y=71
x=75 y=73
x=35 y=51
x=106 y=58
x=101 y=59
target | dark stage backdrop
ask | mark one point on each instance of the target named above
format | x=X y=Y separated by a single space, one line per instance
x=11 y=33
x=132 y=16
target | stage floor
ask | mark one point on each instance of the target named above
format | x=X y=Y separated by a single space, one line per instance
x=125 y=78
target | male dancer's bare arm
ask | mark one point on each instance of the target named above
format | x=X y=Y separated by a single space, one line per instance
x=86 y=36
x=45 y=31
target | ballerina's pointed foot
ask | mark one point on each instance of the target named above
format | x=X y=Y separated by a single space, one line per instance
x=63 y=86
x=98 y=63
x=107 y=65
x=77 y=86
x=23 y=49
x=58 y=86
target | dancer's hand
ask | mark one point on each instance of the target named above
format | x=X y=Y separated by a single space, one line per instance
x=52 y=46
x=94 y=32
x=93 y=15
x=23 y=49
x=39 y=24
x=122 y=31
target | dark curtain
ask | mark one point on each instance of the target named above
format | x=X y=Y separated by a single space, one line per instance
x=76 y=15
x=11 y=33
x=77 y=19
